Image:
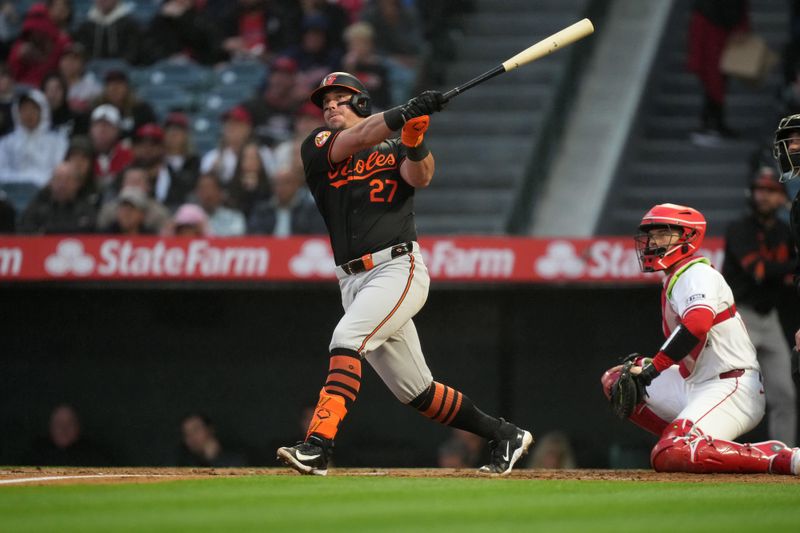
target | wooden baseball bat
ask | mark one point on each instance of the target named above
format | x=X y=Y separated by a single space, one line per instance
x=546 y=46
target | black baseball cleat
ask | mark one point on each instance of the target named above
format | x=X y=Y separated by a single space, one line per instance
x=506 y=452
x=309 y=457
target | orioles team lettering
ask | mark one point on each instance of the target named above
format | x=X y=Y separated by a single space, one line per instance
x=363 y=169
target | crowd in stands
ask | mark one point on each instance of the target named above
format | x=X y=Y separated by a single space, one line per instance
x=185 y=116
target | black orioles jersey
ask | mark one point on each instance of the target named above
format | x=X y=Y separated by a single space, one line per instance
x=366 y=203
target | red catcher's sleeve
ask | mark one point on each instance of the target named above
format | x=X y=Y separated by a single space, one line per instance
x=698 y=321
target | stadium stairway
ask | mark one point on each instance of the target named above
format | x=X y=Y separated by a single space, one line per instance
x=483 y=143
x=661 y=164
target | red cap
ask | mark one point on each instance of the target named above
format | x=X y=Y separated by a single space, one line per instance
x=149 y=131
x=238 y=113
x=284 y=63
x=177 y=118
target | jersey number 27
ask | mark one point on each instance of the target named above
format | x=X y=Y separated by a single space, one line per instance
x=378 y=195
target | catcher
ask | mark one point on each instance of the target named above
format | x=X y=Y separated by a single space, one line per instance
x=703 y=388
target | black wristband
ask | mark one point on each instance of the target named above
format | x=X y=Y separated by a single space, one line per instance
x=417 y=153
x=394 y=118
x=648 y=374
x=680 y=343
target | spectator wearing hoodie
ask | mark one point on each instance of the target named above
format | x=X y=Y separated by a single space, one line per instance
x=31 y=152
x=110 y=31
x=38 y=48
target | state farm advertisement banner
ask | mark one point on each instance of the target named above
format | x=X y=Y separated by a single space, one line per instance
x=461 y=259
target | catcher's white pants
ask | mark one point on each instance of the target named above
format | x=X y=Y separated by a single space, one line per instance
x=379 y=305
x=723 y=408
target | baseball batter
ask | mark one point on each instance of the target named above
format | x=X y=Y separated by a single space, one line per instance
x=363 y=182
x=703 y=387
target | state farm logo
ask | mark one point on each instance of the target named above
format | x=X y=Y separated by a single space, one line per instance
x=560 y=260
x=447 y=260
x=602 y=259
x=314 y=259
x=69 y=258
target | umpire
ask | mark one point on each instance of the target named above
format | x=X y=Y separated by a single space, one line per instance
x=786 y=150
x=759 y=258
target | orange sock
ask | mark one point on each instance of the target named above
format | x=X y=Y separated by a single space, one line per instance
x=340 y=391
x=329 y=412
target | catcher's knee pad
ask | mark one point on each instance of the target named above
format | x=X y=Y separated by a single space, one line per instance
x=671 y=454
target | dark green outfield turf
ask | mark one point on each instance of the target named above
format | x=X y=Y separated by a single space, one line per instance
x=293 y=503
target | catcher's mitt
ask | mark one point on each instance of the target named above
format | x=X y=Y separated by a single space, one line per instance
x=628 y=391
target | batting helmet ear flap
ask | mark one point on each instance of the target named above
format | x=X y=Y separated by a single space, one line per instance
x=361 y=104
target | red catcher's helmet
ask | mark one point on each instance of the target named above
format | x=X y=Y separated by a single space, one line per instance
x=360 y=102
x=690 y=224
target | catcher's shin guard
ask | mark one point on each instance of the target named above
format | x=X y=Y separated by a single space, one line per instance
x=681 y=450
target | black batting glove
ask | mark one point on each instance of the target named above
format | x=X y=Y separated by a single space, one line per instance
x=426 y=103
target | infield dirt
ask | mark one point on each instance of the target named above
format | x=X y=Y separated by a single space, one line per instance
x=15 y=476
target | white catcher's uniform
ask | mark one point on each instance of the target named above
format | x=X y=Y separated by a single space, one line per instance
x=718 y=387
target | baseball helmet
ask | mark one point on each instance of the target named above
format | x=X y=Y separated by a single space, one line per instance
x=788 y=163
x=690 y=224
x=360 y=102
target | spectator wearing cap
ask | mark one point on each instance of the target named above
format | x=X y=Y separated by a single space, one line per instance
x=62 y=119
x=31 y=152
x=156 y=215
x=189 y=221
x=38 y=48
x=7 y=95
x=334 y=14
x=290 y=211
x=256 y=29
x=273 y=110
x=179 y=152
x=83 y=87
x=133 y=112
x=130 y=215
x=180 y=31
x=81 y=155
x=110 y=31
x=111 y=155
x=364 y=63
x=315 y=57
x=222 y=221
x=759 y=261
x=308 y=118
x=169 y=187
x=250 y=182
x=58 y=208
x=237 y=127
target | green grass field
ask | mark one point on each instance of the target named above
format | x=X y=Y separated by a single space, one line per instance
x=294 y=503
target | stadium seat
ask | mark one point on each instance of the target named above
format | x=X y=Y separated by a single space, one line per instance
x=100 y=66
x=241 y=73
x=164 y=98
x=189 y=76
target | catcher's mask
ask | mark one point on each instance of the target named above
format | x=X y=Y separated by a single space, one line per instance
x=360 y=102
x=689 y=225
x=788 y=160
